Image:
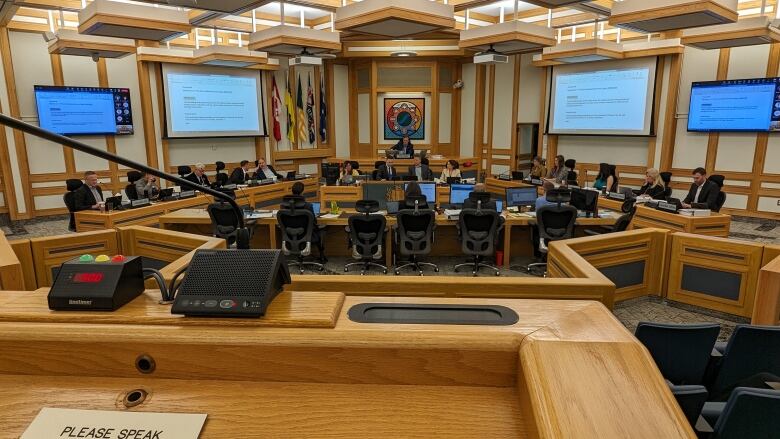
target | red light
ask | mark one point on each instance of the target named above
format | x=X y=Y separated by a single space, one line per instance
x=87 y=278
x=118 y=258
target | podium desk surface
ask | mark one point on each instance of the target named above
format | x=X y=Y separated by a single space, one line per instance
x=565 y=369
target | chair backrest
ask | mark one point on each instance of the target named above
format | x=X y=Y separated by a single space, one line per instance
x=717 y=179
x=184 y=170
x=367 y=206
x=220 y=166
x=556 y=222
x=355 y=164
x=374 y=173
x=224 y=221
x=613 y=171
x=133 y=176
x=367 y=233
x=69 y=199
x=751 y=350
x=478 y=230
x=73 y=184
x=570 y=163
x=691 y=400
x=720 y=201
x=415 y=231
x=681 y=352
x=379 y=163
x=667 y=179
x=749 y=413
x=131 y=191
x=622 y=223
x=297 y=227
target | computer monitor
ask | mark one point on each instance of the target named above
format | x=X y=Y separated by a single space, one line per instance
x=316 y=208
x=520 y=196
x=585 y=200
x=427 y=189
x=499 y=206
x=459 y=192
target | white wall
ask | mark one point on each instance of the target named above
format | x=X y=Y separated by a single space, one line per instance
x=531 y=88
x=467 y=110
x=340 y=109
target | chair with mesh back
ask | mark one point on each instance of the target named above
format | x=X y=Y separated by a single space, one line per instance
x=224 y=222
x=621 y=224
x=478 y=231
x=130 y=190
x=414 y=237
x=571 y=177
x=666 y=177
x=721 y=200
x=72 y=184
x=221 y=178
x=366 y=235
x=297 y=228
x=554 y=222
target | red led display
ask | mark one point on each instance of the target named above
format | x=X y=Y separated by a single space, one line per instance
x=87 y=278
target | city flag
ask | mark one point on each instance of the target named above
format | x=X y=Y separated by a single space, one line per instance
x=300 y=114
x=288 y=104
x=323 y=109
x=276 y=106
x=310 y=113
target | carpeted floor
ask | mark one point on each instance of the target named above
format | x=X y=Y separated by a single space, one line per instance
x=629 y=312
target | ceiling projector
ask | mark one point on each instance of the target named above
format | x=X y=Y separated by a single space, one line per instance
x=305 y=60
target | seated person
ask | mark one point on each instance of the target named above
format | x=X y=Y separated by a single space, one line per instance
x=559 y=172
x=538 y=171
x=413 y=192
x=347 y=174
x=146 y=186
x=702 y=191
x=606 y=178
x=387 y=171
x=404 y=146
x=421 y=170
x=654 y=186
x=198 y=175
x=264 y=171
x=241 y=174
x=450 y=170
x=542 y=199
x=89 y=196
x=316 y=236
x=471 y=201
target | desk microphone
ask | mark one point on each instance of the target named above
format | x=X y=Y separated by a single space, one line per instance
x=242 y=240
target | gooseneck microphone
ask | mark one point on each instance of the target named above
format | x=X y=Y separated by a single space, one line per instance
x=242 y=240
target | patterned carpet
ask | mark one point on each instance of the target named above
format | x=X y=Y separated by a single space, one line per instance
x=629 y=312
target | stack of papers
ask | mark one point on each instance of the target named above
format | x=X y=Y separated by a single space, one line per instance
x=330 y=215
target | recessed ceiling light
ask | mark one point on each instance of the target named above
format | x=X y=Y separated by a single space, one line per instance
x=403 y=53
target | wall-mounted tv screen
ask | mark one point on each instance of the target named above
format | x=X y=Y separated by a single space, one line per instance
x=72 y=111
x=207 y=101
x=746 y=105
x=606 y=98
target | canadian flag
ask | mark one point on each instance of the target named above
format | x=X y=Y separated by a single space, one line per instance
x=276 y=106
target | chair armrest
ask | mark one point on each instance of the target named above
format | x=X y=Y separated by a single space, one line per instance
x=702 y=426
x=720 y=346
x=716 y=353
x=589 y=232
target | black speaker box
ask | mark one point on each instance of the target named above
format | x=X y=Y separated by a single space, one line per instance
x=231 y=283
x=96 y=286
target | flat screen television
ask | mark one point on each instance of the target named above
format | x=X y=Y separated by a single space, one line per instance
x=72 y=111
x=738 y=105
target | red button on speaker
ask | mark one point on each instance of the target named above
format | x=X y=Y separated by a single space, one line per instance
x=118 y=258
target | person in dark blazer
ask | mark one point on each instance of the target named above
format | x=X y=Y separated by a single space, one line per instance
x=404 y=146
x=654 y=186
x=90 y=195
x=387 y=171
x=264 y=171
x=702 y=191
x=198 y=176
x=240 y=174
x=421 y=170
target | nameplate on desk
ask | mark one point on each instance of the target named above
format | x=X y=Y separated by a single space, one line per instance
x=505 y=177
x=139 y=203
x=616 y=196
x=667 y=207
x=103 y=424
x=186 y=194
x=536 y=181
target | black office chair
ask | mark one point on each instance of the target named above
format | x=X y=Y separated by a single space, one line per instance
x=72 y=184
x=130 y=190
x=613 y=171
x=748 y=414
x=366 y=236
x=571 y=178
x=721 y=200
x=691 y=399
x=478 y=231
x=224 y=222
x=751 y=357
x=297 y=226
x=621 y=224
x=379 y=163
x=184 y=171
x=553 y=223
x=667 y=179
x=681 y=352
x=414 y=237
x=221 y=178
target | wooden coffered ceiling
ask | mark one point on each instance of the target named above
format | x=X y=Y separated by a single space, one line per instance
x=573 y=22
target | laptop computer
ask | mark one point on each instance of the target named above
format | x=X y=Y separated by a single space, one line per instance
x=451 y=180
x=316 y=206
x=290 y=175
x=517 y=175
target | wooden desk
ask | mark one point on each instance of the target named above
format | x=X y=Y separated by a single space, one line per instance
x=517 y=234
x=565 y=369
x=499 y=187
x=267 y=196
x=436 y=165
x=11 y=273
x=717 y=224
x=346 y=196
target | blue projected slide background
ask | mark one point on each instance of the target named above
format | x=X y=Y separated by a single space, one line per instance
x=751 y=105
x=427 y=189
x=84 y=110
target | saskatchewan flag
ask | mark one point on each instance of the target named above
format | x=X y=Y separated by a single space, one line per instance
x=288 y=104
x=300 y=114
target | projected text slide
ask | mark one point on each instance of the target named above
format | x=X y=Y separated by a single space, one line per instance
x=213 y=103
x=77 y=112
x=605 y=100
x=732 y=107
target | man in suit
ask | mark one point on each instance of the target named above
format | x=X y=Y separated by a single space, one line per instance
x=198 y=176
x=240 y=174
x=404 y=146
x=422 y=171
x=702 y=191
x=89 y=196
x=387 y=171
x=264 y=171
x=146 y=186
x=316 y=236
